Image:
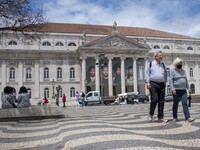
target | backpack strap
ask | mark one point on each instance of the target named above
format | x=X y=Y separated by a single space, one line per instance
x=150 y=65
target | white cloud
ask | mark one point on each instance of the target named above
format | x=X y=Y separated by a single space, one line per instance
x=167 y=15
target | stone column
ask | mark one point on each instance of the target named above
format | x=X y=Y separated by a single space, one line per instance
x=187 y=70
x=122 y=75
x=3 y=78
x=110 y=80
x=83 y=71
x=196 y=73
x=37 y=80
x=135 y=74
x=97 y=79
x=20 y=74
x=146 y=63
x=3 y=75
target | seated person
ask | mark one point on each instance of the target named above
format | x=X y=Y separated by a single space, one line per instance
x=23 y=98
x=8 y=99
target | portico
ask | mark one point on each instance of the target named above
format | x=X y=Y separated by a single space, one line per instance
x=120 y=53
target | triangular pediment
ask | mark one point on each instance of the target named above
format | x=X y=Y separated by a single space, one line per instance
x=116 y=41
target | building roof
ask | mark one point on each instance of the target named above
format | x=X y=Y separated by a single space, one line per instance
x=106 y=30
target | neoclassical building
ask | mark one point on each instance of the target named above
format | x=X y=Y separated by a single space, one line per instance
x=86 y=57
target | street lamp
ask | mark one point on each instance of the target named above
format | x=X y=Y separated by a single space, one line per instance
x=58 y=88
x=53 y=86
x=101 y=58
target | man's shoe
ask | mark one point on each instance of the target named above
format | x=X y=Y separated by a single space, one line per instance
x=176 y=120
x=150 y=118
x=190 y=120
x=162 y=121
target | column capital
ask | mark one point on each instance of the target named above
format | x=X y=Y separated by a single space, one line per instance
x=96 y=57
x=135 y=58
x=83 y=57
x=110 y=57
x=146 y=58
x=123 y=58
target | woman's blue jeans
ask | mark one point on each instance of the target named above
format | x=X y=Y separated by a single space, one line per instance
x=181 y=95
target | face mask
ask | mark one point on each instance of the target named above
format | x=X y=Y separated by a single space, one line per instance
x=179 y=66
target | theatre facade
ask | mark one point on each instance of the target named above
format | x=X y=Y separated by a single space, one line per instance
x=79 y=57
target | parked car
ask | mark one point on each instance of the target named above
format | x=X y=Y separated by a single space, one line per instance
x=169 y=98
x=143 y=98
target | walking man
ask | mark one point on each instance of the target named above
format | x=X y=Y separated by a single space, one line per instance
x=156 y=79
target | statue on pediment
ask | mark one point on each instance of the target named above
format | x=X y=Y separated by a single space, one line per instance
x=114 y=28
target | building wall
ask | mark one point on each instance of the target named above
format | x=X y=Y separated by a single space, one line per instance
x=66 y=57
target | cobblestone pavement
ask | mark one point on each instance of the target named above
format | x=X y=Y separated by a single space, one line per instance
x=115 y=127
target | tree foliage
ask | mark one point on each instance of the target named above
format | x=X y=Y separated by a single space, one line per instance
x=20 y=16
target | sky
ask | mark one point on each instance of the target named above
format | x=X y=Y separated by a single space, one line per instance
x=177 y=16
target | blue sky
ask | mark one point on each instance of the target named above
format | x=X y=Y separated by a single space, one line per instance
x=177 y=16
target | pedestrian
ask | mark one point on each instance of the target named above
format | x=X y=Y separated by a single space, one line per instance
x=179 y=87
x=156 y=78
x=45 y=101
x=82 y=97
x=77 y=95
x=8 y=99
x=64 y=100
x=23 y=98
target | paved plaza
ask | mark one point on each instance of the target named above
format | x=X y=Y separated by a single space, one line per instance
x=114 y=127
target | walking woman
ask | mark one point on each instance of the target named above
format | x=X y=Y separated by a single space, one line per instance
x=179 y=86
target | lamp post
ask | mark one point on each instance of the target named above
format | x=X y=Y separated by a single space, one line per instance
x=53 y=86
x=58 y=88
x=101 y=58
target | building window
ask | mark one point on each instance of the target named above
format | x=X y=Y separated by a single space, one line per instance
x=46 y=44
x=72 y=73
x=46 y=92
x=189 y=48
x=12 y=73
x=46 y=73
x=166 y=47
x=156 y=47
x=28 y=73
x=72 y=92
x=59 y=73
x=59 y=44
x=191 y=73
x=71 y=44
x=12 y=43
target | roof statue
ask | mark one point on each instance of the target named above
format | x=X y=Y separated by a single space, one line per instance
x=84 y=36
x=114 y=28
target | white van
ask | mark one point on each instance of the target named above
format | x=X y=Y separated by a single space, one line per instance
x=92 y=97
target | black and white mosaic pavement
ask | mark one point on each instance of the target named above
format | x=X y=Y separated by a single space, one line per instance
x=121 y=127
